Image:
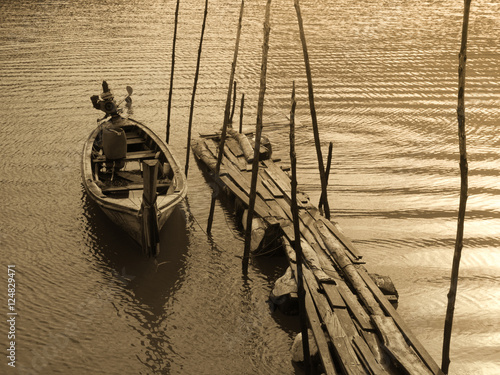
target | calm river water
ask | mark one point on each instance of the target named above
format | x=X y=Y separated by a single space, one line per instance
x=385 y=77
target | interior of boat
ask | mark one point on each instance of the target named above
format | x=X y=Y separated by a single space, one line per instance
x=120 y=177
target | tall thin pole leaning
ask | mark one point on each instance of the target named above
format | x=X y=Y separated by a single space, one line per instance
x=258 y=133
x=463 y=192
x=297 y=245
x=194 y=90
x=328 y=166
x=226 y=118
x=172 y=72
x=234 y=103
x=240 y=130
x=312 y=107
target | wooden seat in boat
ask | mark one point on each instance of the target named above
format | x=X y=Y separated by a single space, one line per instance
x=138 y=186
x=136 y=155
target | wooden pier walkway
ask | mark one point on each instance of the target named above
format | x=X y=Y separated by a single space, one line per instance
x=356 y=328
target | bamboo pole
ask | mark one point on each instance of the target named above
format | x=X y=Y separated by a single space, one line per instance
x=328 y=166
x=226 y=119
x=234 y=103
x=241 y=113
x=172 y=72
x=313 y=112
x=191 y=110
x=463 y=192
x=297 y=245
x=258 y=134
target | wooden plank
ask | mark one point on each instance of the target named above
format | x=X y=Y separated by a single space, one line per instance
x=393 y=339
x=333 y=295
x=135 y=141
x=389 y=309
x=398 y=348
x=282 y=181
x=345 y=353
x=354 y=306
x=243 y=180
x=231 y=157
x=261 y=208
x=212 y=147
x=312 y=261
x=116 y=189
x=309 y=221
x=242 y=163
x=209 y=135
x=319 y=336
x=366 y=355
x=282 y=185
x=284 y=206
x=234 y=147
x=340 y=236
x=270 y=185
x=137 y=155
x=314 y=320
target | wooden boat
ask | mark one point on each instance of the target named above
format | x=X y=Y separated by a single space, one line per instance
x=131 y=174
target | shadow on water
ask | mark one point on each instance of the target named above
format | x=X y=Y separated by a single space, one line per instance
x=152 y=280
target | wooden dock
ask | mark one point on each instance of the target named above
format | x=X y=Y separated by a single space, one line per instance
x=356 y=328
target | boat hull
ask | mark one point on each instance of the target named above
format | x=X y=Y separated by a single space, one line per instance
x=125 y=210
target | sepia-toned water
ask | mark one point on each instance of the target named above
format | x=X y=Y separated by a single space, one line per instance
x=385 y=76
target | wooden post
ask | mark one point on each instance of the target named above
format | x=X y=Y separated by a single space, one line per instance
x=241 y=113
x=226 y=119
x=234 y=103
x=463 y=192
x=328 y=166
x=188 y=149
x=150 y=232
x=258 y=133
x=297 y=245
x=313 y=112
x=172 y=72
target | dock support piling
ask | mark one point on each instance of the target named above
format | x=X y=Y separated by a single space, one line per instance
x=328 y=166
x=234 y=103
x=463 y=192
x=241 y=113
x=313 y=112
x=297 y=246
x=191 y=109
x=258 y=133
x=226 y=119
x=172 y=72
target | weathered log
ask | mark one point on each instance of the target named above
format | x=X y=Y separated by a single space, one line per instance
x=244 y=143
